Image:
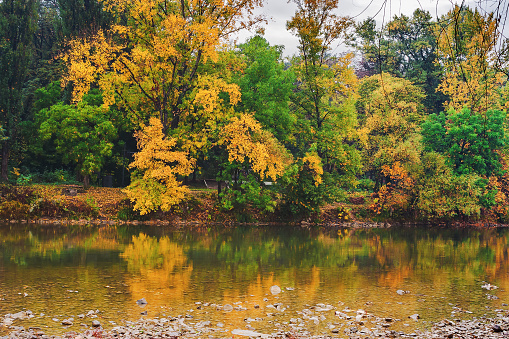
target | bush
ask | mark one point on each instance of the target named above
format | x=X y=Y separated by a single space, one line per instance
x=14 y=210
x=127 y=212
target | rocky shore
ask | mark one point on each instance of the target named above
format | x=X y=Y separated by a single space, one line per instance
x=347 y=323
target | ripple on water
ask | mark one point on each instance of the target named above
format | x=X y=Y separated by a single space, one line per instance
x=72 y=271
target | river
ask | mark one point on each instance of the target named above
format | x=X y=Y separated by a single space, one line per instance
x=58 y=272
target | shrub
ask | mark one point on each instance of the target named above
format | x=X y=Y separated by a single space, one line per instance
x=14 y=210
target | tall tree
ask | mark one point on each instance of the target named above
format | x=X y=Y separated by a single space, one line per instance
x=390 y=114
x=323 y=103
x=150 y=65
x=266 y=87
x=165 y=60
x=405 y=47
x=18 y=22
x=325 y=84
x=467 y=42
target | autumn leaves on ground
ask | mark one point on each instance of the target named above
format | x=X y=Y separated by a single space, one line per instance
x=74 y=204
x=155 y=95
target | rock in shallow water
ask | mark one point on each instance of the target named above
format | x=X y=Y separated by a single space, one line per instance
x=275 y=290
x=414 y=317
x=141 y=302
x=67 y=322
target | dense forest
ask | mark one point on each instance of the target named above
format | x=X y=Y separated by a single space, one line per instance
x=155 y=95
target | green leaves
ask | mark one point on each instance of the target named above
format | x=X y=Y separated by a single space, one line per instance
x=472 y=142
x=83 y=134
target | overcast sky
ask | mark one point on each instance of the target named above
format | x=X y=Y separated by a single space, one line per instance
x=279 y=12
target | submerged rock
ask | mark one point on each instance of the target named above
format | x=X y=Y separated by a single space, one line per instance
x=67 y=322
x=275 y=290
x=141 y=302
x=227 y=308
x=414 y=317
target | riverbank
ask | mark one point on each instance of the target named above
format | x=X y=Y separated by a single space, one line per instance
x=74 y=205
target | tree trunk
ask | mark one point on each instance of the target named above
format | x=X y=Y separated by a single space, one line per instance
x=86 y=181
x=5 y=161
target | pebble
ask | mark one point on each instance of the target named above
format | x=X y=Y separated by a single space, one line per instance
x=67 y=322
x=362 y=325
x=275 y=290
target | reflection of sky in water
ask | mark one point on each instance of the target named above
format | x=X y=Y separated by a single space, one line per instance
x=111 y=268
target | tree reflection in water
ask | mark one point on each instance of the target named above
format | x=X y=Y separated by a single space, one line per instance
x=173 y=269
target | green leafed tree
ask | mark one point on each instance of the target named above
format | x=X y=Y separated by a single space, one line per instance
x=405 y=47
x=266 y=87
x=472 y=143
x=18 y=22
x=82 y=134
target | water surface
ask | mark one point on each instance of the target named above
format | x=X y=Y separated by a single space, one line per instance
x=63 y=271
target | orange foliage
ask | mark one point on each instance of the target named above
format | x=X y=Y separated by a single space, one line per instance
x=397 y=193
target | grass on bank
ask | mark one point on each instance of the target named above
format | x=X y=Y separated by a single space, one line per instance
x=73 y=202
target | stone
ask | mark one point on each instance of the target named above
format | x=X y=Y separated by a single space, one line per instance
x=227 y=308
x=96 y=323
x=249 y=333
x=275 y=290
x=497 y=329
x=67 y=322
x=414 y=317
x=489 y=287
x=141 y=302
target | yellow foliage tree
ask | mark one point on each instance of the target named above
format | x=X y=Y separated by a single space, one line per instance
x=246 y=141
x=154 y=184
x=467 y=42
x=151 y=64
x=390 y=114
x=156 y=63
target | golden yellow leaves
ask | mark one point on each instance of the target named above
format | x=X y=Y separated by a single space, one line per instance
x=314 y=164
x=85 y=59
x=208 y=90
x=246 y=141
x=158 y=165
x=153 y=63
x=467 y=58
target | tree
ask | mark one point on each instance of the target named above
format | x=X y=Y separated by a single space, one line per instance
x=83 y=134
x=159 y=62
x=150 y=65
x=80 y=18
x=18 y=22
x=266 y=87
x=323 y=99
x=466 y=49
x=157 y=166
x=471 y=143
x=390 y=113
x=405 y=47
